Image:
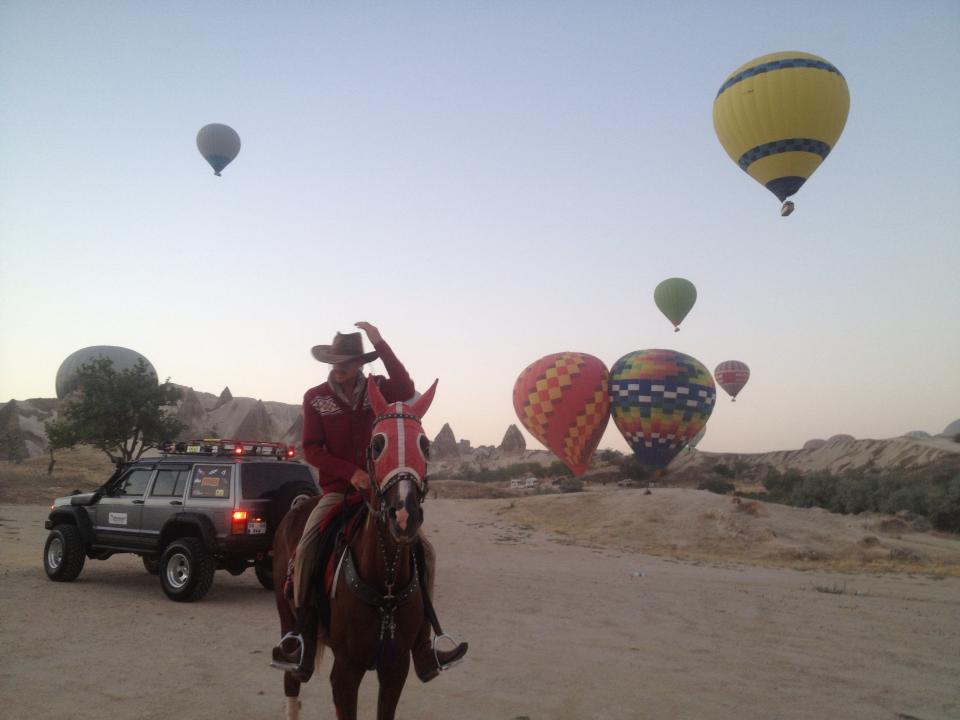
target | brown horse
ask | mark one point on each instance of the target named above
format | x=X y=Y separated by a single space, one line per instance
x=376 y=601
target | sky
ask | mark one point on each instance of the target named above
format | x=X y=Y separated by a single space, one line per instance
x=487 y=183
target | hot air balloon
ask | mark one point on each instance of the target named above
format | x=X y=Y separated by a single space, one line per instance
x=562 y=400
x=675 y=297
x=660 y=400
x=122 y=358
x=779 y=116
x=695 y=440
x=732 y=375
x=219 y=145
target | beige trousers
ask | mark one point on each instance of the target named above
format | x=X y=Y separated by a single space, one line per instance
x=305 y=559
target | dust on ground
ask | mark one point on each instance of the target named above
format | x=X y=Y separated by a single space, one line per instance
x=561 y=626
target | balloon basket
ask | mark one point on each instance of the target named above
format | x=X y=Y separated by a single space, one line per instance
x=787 y=208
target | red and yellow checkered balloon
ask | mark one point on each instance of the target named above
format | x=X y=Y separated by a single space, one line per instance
x=562 y=399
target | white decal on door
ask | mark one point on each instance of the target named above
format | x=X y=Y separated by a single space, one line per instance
x=118 y=519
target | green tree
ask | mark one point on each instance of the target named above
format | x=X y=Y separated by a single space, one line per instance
x=633 y=469
x=120 y=413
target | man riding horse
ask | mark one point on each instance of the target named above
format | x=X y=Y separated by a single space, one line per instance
x=337 y=423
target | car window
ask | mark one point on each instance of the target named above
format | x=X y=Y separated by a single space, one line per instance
x=262 y=480
x=135 y=483
x=211 y=481
x=169 y=483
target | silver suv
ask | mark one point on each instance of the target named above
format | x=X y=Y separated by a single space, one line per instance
x=199 y=507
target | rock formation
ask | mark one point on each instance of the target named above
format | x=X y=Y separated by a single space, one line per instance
x=814 y=444
x=257 y=425
x=192 y=414
x=444 y=446
x=12 y=443
x=294 y=436
x=225 y=397
x=513 y=442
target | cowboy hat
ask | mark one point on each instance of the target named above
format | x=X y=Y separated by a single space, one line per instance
x=344 y=348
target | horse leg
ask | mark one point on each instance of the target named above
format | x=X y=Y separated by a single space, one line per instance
x=345 y=680
x=291 y=688
x=392 y=679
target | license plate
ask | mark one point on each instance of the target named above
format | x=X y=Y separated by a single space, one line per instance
x=257 y=527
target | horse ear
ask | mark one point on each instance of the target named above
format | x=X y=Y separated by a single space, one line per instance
x=422 y=403
x=376 y=397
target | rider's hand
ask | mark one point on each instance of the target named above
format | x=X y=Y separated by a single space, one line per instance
x=360 y=480
x=373 y=335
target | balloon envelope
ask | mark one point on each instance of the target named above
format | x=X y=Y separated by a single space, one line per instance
x=660 y=400
x=675 y=297
x=562 y=400
x=219 y=145
x=122 y=358
x=732 y=375
x=779 y=116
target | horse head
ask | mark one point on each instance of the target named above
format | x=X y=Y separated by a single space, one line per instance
x=397 y=460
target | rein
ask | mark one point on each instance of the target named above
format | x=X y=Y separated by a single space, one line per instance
x=388 y=602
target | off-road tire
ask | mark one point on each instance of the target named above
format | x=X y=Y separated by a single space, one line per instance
x=151 y=565
x=186 y=570
x=264 y=571
x=289 y=496
x=63 y=555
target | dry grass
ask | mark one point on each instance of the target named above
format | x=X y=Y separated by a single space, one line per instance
x=701 y=526
x=28 y=483
x=463 y=490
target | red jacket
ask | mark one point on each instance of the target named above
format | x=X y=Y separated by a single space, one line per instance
x=336 y=436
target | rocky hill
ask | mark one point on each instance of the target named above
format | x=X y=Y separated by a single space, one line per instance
x=22 y=435
x=837 y=456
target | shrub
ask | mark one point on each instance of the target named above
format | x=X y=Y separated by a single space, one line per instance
x=631 y=468
x=724 y=470
x=571 y=485
x=716 y=485
x=946 y=513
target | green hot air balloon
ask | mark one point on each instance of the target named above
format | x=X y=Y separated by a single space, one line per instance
x=675 y=297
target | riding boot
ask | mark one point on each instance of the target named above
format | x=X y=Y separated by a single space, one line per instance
x=297 y=650
x=428 y=663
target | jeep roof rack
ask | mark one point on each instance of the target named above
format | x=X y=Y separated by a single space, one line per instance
x=225 y=446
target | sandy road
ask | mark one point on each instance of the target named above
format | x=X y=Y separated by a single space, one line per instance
x=556 y=632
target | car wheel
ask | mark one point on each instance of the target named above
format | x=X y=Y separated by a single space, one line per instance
x=186 y=570
x=151 y=565
x=63 y=556
x=264 y=571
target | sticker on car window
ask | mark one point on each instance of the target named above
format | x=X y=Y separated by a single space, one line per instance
x=211 y=481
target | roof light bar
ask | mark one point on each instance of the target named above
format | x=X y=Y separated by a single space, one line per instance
x=221 y=446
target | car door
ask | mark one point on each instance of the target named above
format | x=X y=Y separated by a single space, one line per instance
x=164 y=500
x=119 y=512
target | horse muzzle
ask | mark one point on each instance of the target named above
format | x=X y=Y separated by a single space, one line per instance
x=404 y=513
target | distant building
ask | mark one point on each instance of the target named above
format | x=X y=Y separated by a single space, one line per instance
x=527 y=483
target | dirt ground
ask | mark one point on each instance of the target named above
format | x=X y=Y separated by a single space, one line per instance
x=561 y=626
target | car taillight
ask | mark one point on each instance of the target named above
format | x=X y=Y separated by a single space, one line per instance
x=238 y=524
x=238 y=450
x=291 y=451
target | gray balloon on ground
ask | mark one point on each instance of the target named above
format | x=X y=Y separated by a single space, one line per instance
x=123 y=359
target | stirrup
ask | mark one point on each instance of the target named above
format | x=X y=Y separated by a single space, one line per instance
x=436 y=654
x=287 y=665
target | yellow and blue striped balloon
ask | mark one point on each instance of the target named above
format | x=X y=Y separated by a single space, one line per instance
x=779 y=116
